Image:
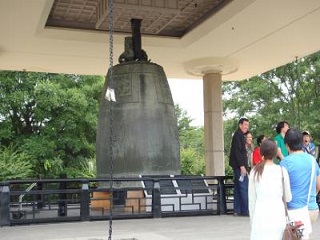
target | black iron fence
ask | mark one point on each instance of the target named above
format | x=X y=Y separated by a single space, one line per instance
x=57 y=200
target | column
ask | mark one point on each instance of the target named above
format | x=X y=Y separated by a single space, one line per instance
x=213 y=124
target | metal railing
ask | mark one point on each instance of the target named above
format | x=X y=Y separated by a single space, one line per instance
x=58 y=200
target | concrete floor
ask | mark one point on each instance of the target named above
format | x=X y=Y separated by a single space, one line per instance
x=224 y=227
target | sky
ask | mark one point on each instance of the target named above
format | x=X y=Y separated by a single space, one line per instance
x=188 y=94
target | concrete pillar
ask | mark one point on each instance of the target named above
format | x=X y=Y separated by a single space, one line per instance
x=213 y=124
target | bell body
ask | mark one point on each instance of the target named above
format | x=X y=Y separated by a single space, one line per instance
x=141 y=123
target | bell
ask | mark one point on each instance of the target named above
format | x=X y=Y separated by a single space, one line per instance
x=138 y=131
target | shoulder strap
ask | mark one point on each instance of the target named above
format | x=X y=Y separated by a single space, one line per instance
x=311 y=178
x=284 y=196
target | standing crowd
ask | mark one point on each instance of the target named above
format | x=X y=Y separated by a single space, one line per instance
x=280 y=173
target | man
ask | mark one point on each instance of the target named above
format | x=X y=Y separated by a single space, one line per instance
x=239 y=164
x=308 y=146
x=299 y=166
x=282 y=128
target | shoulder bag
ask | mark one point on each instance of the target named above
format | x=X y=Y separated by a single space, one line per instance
x=291 y=231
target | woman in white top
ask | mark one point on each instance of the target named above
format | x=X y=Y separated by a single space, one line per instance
x=266 y=208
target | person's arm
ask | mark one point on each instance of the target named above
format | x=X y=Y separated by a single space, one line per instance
x=243 y=170
x=287 y=189
x=240 y=152
x=279 y=154
x=252 y=195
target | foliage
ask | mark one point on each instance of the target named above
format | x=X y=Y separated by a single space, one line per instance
x=192 y=163
x=52 y=117
x=290 y=92
x=14 y=164
x=191 y=144
x=84 y=168
x=183 y=119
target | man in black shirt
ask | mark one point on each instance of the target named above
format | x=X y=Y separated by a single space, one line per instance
x=239 y=164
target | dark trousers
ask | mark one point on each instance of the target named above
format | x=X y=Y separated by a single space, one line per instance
x=240 y=204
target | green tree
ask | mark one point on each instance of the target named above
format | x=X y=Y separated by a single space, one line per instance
x=192 y=163
x=191 y=144
x=290 y=92
x=52 y=117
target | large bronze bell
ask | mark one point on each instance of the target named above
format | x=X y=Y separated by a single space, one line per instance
x=141 y=124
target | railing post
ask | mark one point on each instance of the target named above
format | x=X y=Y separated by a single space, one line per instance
x=5 y=205
x=85 y=202
x=40 y=197
x=62 y=203
x=222 y=208
x=156 y=199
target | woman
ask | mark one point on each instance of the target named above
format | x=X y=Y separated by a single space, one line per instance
x=266 y=208
x=249 y=147
x=256 y=156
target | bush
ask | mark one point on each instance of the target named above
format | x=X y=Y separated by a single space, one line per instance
x=191 y=162
x=14 y=164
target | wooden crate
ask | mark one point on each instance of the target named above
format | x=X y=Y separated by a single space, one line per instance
x=100 y=200
x=135 y=202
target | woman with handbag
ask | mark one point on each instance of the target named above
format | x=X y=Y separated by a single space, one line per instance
x=266 y=208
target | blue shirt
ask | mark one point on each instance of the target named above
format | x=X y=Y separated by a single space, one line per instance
x=299 y=167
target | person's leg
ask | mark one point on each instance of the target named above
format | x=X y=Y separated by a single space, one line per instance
x=236 y=193
x=243 y=189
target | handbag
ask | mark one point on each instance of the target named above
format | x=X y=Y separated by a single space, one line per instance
x=291 y=231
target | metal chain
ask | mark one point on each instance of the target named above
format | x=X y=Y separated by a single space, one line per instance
x=111 y=33
x=110 y=84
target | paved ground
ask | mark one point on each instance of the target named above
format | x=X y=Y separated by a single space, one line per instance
x=174 y=228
